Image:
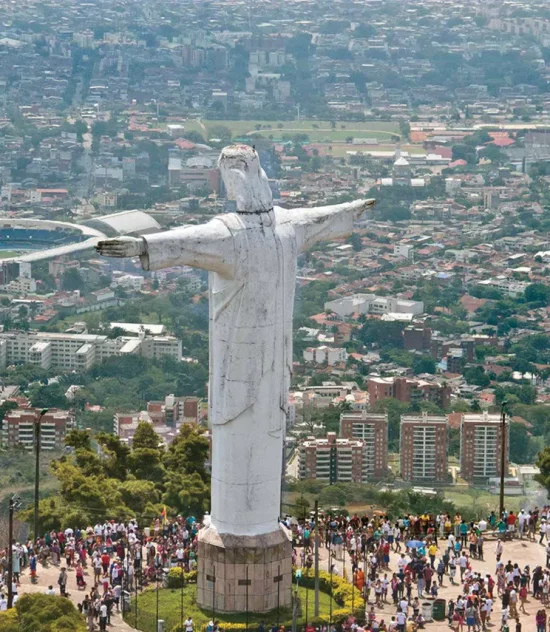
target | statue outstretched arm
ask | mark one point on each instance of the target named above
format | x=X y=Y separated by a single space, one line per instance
x=326 y=222
x=207 y=246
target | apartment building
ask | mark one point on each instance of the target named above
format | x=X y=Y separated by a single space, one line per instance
x=333 y=460
x=372 y=429
x=423 y=449
x=78 y=352
x=481 y=445
x=408 y=390
x=18 y=427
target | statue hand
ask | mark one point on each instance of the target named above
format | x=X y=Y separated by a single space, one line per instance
x=362 y=206
x=122 y=247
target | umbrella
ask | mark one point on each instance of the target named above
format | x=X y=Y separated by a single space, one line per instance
x=415 y=544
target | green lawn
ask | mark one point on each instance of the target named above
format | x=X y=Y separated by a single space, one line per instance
x=322 y=132
x=170 y=610
x=482 y=500
x=5 y=254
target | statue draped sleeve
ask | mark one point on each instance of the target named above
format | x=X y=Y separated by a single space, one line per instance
x=208 y=246
x=324 y=223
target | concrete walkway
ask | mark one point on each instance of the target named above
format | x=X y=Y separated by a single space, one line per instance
x=48 y=576
x=524 y=552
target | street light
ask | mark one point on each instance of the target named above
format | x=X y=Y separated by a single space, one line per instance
x=502 y=454
x=13 y=505
x=37 y=468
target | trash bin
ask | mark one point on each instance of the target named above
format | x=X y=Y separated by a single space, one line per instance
x=427 y=608
x=439 y=608
x=161 y=627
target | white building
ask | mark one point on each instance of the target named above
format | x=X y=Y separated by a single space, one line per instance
x=79 y=352
x=506 y=285
x=330 y=355
x=403 y=250
x=129 y=281
x=372 y=304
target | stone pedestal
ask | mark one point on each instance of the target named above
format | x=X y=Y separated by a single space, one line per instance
x=229 y=566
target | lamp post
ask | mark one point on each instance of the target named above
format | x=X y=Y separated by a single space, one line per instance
x=330 y=557
x=316 y=571
x=502 y=454
x=13 y=505
x=181 y=595
x=37 y=439
x=157 y=601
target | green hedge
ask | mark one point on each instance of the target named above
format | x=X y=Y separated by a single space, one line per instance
x=345 y=594
x=174 y=577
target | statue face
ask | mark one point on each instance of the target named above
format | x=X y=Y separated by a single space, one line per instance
x=244 y=179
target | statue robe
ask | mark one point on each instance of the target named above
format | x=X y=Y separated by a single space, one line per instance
x=252 y=259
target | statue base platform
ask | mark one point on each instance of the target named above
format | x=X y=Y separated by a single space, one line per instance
x=235 y=569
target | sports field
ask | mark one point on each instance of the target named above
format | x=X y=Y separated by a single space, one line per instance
x=317 y=131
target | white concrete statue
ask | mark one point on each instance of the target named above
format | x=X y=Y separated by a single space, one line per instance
x=251 y=256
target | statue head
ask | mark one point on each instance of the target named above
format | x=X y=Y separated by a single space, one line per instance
x=244 y=179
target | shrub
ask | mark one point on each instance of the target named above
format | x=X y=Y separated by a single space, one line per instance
x=174 y=578
x=42 y=613
x=345 y=594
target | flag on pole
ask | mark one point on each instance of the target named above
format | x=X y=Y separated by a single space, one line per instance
x=163 y=513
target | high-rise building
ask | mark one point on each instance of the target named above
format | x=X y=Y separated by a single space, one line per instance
x=333 y=460
x=18 y=428
x=423 y=448
x=372 y=429
x=481 y=446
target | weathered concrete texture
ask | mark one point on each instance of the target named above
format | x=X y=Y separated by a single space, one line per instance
x=226 y=561
x=252 y=259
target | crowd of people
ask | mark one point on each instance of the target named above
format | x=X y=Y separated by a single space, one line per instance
x=395 y=564
x=105 y=561
x=428 y=551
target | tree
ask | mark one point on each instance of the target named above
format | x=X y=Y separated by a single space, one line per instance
x=543 y=463
x=537 y=293
x=423 y=364
x=79 y=440
x=189 y=451
x=145 y=437
x=394 y=409
x=49 y=397
x=382 y=333
x=465 y=152
x=477 y=376
x=45 y=613
x=72 y=280
x=220 y=131
x=355 y=241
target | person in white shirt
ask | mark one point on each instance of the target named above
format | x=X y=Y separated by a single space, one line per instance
x=50 y=590
x=3 y=603
x=103 y=612
x=522 y=517
x=462 y=564
x=188 y=624
x=451 y=542
x=542 y=530
x=401 y=618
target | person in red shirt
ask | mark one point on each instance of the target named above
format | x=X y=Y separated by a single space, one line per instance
x=105 y=561
x=511 y=522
